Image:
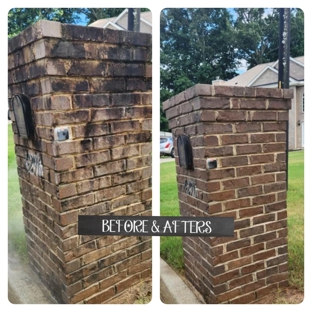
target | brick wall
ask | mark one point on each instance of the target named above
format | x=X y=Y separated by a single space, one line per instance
x=244 y=129
x=97 y=84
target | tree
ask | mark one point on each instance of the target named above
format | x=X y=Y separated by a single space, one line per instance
x=196 y=47
x=94 y=14
x=257 y=35
x=21 y=18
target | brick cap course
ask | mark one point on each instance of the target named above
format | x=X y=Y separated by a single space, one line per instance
x=52 y=29
x=226 y=91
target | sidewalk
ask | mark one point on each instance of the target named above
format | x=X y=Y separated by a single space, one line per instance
x=25 y=287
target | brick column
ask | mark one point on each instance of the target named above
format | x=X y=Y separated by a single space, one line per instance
x=244 y=129
x=96 y=85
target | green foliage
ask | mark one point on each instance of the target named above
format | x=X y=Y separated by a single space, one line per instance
x=196 y=47
x=21 y=18
x=257 y=35
x=16 y=233
x=94 y=14
x=295 y=204
x=199 y=45
x=170 y=246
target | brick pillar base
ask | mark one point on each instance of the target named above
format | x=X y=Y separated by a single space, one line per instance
x=244 y=129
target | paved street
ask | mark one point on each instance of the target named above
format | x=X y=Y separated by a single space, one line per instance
x=165 y=159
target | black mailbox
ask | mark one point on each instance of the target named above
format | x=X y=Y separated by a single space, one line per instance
x=185 y=152
x=23 y=118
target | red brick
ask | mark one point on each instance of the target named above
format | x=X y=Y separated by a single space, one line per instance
x=88 y=292
x=101 y=297
x=264 y=237
x=248 y=149
x=249 y=191
x=277 y=242
x=263 y=179
x=225 y=277
x=240 y=281
x=84 y=160
x=64 y=163
x=234 y=139
x=235 y=183
x=235 y=204
x=283 y=116
x=238 y=244
x=262 y=138
x=269 y=92
x=67 y=190
x=248 y=298
x=249 y=212
x=275 y=187
x=252 y=104
x=205 y=115
x=266 y=291
x=274 y=126
x=264 y=218
x=228 y=91
x=246 y=251
x=216 y=151
x=247 y=127
x=275 y=206
x=221 y=196
x=234 y=161
x=282 y=215
x=276 y=225
x=264 y=255
x=216 y=128
x=211 y=140
x=231 y=116
x=263 y=116
x=262 y=158
x=228 y=295
x=274 y=147
x=251 y=231
x=239 y=263
x=248 y=170
x=221 y=257
x=279 y=104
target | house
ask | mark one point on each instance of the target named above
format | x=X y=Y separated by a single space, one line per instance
x=121 y=21
x=266 y=76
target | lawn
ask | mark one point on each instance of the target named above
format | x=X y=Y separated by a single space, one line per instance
x=16 y=233
x=171 y=247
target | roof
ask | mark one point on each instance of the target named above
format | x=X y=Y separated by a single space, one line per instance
x=267 y=74
x=120 y=22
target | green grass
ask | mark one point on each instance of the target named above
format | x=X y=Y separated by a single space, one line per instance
x=16 y=233
x=171 y=247
x=295 y=208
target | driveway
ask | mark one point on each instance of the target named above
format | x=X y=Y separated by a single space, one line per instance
x=166 y=159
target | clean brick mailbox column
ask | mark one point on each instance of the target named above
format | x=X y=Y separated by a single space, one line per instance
x=90 y=95
x=244 y=131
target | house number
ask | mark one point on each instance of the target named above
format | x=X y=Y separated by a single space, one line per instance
x=190 y=188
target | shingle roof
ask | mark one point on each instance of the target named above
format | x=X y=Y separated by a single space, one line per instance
x=266 y=72
x=120 y=23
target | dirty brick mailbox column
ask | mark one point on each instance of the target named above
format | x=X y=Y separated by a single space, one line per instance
x=90 y=96
x=238 y=140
